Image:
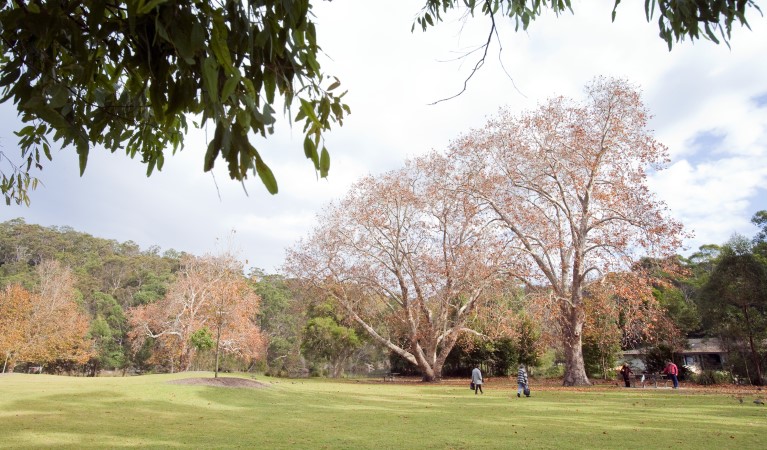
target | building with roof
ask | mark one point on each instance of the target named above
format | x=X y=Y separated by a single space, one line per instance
x=699 y=355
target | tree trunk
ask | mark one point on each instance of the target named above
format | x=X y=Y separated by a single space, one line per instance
x=428 y=373
x=338 y=369
x=218 y=347
x=428 y=376
x=427 y=370
x=575 y=371
x=754 y=353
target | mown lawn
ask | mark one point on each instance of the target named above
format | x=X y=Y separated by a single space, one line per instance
x=63 y=412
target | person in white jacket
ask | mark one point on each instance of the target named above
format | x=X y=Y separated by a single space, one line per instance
x=476 y=378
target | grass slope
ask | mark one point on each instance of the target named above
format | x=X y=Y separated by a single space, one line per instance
x=48 y=411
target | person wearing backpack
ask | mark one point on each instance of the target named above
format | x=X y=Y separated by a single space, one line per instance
x=522 y=382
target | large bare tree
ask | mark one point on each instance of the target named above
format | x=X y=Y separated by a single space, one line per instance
x=409 y=257
x=568 y=183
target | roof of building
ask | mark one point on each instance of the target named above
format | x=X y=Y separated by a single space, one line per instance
x=694 y=346
x=705 y=345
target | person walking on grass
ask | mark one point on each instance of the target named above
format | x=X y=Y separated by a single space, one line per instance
x=476 y=378
x=521 y=380
x=626 y=373
x=673 y=372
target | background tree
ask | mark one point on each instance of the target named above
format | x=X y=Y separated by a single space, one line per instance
x=109 y=276
x=202 y=339
x=58 y=326
x=734 y=300
x=15 y=314
x=509 y=332
x=233 y=310
x=601 y=334
x=282 y=318
x=46 y=327
x=327 y=340
x=109 y=329
x=128 y=75
x=622 y=312
x=675 y=288
x=567 y=182
x=408 y=258
x=209 y=292
x=760 y=240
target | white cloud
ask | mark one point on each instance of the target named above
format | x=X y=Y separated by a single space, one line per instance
x=392 y=75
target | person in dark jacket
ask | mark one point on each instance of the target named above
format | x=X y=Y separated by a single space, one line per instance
x=521 y=380
x=626 y=373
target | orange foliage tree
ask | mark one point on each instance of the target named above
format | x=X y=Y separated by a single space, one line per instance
x=622 y=312
x=209 y=293
x=567 y=182
x=47 y=326
x=15 y=312
x=408 y=257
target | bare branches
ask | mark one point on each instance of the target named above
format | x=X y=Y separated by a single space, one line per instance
x=478 y=64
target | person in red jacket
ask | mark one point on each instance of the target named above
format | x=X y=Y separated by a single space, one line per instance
x=673 y=371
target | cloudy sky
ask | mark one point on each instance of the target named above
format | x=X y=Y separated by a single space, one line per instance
x=709 y=104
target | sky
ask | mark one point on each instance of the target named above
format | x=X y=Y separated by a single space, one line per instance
x=709 y=104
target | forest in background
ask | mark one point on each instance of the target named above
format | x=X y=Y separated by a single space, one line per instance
x=100 y=288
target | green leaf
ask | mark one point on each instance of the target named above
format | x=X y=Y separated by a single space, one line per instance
x=82 y=152
x=197 y=40
x=95 y=16
x=10 y=77
x=249 y=88
x=309 y=147
x=149 y=6
x=150 y=167
x=300 y=116
x=210 y=78
x=27 y=130
x=269 y=85
x=214 y=147
x=308 y=109
x=266 y=175
x=220 y=47
x=324 y=163
x=229 y=87
x=47 y=151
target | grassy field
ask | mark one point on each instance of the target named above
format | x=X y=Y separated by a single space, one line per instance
x=38 y=411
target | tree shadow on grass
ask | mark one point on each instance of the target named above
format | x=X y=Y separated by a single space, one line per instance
x=108 y=419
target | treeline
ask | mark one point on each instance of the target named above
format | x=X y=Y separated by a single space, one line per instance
x=723 y=294
x=102 y=278
x=133 y=311
x=74 y=303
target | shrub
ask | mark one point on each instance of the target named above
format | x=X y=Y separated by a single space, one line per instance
x=550 y=365
x=710 y=377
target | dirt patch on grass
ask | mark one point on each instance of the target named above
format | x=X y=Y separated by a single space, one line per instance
x=230 y=382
